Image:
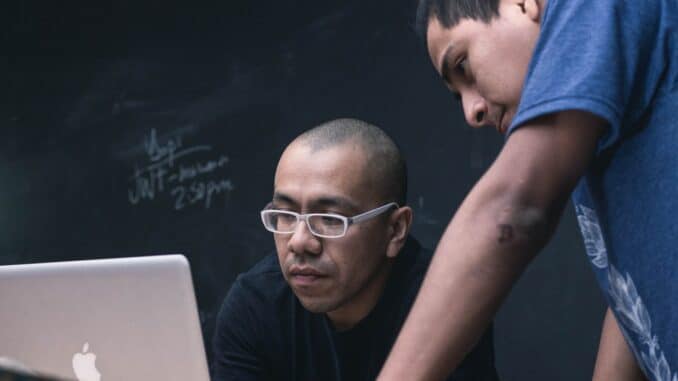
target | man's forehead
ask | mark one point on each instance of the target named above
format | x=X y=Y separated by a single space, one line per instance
x=341 y=160
x=438 y=42
x=324 y=177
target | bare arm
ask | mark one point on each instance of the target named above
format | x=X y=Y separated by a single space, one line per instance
x=505 y=220
x=615 y=360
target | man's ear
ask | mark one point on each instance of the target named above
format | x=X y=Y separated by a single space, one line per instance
x=400 y=223
x=532 y=9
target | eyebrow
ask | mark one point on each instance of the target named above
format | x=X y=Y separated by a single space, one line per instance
x=328 y=201
x=445 y=65
x=445 y=70
x=281 y=197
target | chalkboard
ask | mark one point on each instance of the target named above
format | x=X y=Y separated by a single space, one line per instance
x=140 y=129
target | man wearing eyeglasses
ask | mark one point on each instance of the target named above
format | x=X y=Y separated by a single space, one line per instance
x=330 y=304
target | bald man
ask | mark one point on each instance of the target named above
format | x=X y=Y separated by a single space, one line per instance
x=329 y=303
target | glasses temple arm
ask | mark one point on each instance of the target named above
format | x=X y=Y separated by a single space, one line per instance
x=372 y=213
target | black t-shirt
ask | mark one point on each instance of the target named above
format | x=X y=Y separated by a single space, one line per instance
x=264 y=333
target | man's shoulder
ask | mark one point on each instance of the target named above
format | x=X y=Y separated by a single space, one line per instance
x=268 y=266
x=257 y=295
x=264 y=279
x=249 y=325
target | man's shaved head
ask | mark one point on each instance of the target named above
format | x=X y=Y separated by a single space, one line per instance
x=384 y=161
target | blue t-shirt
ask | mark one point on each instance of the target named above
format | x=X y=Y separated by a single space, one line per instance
x=619 y=61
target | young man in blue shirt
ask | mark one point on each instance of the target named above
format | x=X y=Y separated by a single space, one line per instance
x=585 y=92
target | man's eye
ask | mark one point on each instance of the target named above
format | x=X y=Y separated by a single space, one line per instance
x=462 y=66
x=286 y=218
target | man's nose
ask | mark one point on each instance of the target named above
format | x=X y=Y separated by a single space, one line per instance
x=303 y=241
x=475 y=110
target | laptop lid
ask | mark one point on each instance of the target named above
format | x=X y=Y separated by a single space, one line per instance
x=111 y=319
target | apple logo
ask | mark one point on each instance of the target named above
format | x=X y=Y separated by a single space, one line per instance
x=83 y=365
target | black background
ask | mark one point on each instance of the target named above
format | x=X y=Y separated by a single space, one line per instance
x=92 y=90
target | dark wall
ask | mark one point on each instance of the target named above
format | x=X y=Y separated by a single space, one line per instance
x=137 y=129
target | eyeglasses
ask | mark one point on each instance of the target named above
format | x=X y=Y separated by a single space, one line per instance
x=325 y=225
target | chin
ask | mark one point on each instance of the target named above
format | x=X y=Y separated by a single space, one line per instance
x=316 y=305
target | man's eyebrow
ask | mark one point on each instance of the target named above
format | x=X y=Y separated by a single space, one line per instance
x=445 y=71
x=445 y=68
x=321 y=202
x=281 y=197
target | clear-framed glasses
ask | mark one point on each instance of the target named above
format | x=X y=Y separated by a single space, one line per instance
x=325 y=225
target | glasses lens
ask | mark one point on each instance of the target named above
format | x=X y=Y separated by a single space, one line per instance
x=327 y=225
x=278 y=221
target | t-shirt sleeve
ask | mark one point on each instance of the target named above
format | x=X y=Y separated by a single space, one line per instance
x=237 y=349
x=592 y=56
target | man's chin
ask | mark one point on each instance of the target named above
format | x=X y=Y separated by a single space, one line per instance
x=317 y=305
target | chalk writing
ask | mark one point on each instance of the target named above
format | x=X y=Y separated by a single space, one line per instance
x=171 y=168
x=199 y=191
x=157 y=151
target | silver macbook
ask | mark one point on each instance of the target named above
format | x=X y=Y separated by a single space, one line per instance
x=112 y=319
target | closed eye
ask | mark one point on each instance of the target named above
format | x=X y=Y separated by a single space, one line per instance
x=450 y=69
x=461 y=67
x=332 y=220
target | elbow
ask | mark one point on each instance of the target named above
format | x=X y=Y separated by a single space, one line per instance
x=521 y=227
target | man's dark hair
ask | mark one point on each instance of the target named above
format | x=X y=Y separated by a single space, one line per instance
x=384 y=160
x=450 y=12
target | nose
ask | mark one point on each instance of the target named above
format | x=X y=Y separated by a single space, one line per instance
x=303 y=242
x=475 y=109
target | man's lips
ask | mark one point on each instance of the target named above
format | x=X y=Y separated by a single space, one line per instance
x=305 y=276
x=310 y=271
x=504 y=122
x=501 y=128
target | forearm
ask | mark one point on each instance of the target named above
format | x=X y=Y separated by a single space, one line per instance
x=615 y=360
x=508 y=216
x=483 y=251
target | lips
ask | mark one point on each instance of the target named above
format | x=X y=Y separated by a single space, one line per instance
x=305 y=276
x=500 y=125
x=504 y=121
x=310 y=271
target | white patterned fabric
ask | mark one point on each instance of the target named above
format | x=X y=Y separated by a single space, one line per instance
x=618 y=60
